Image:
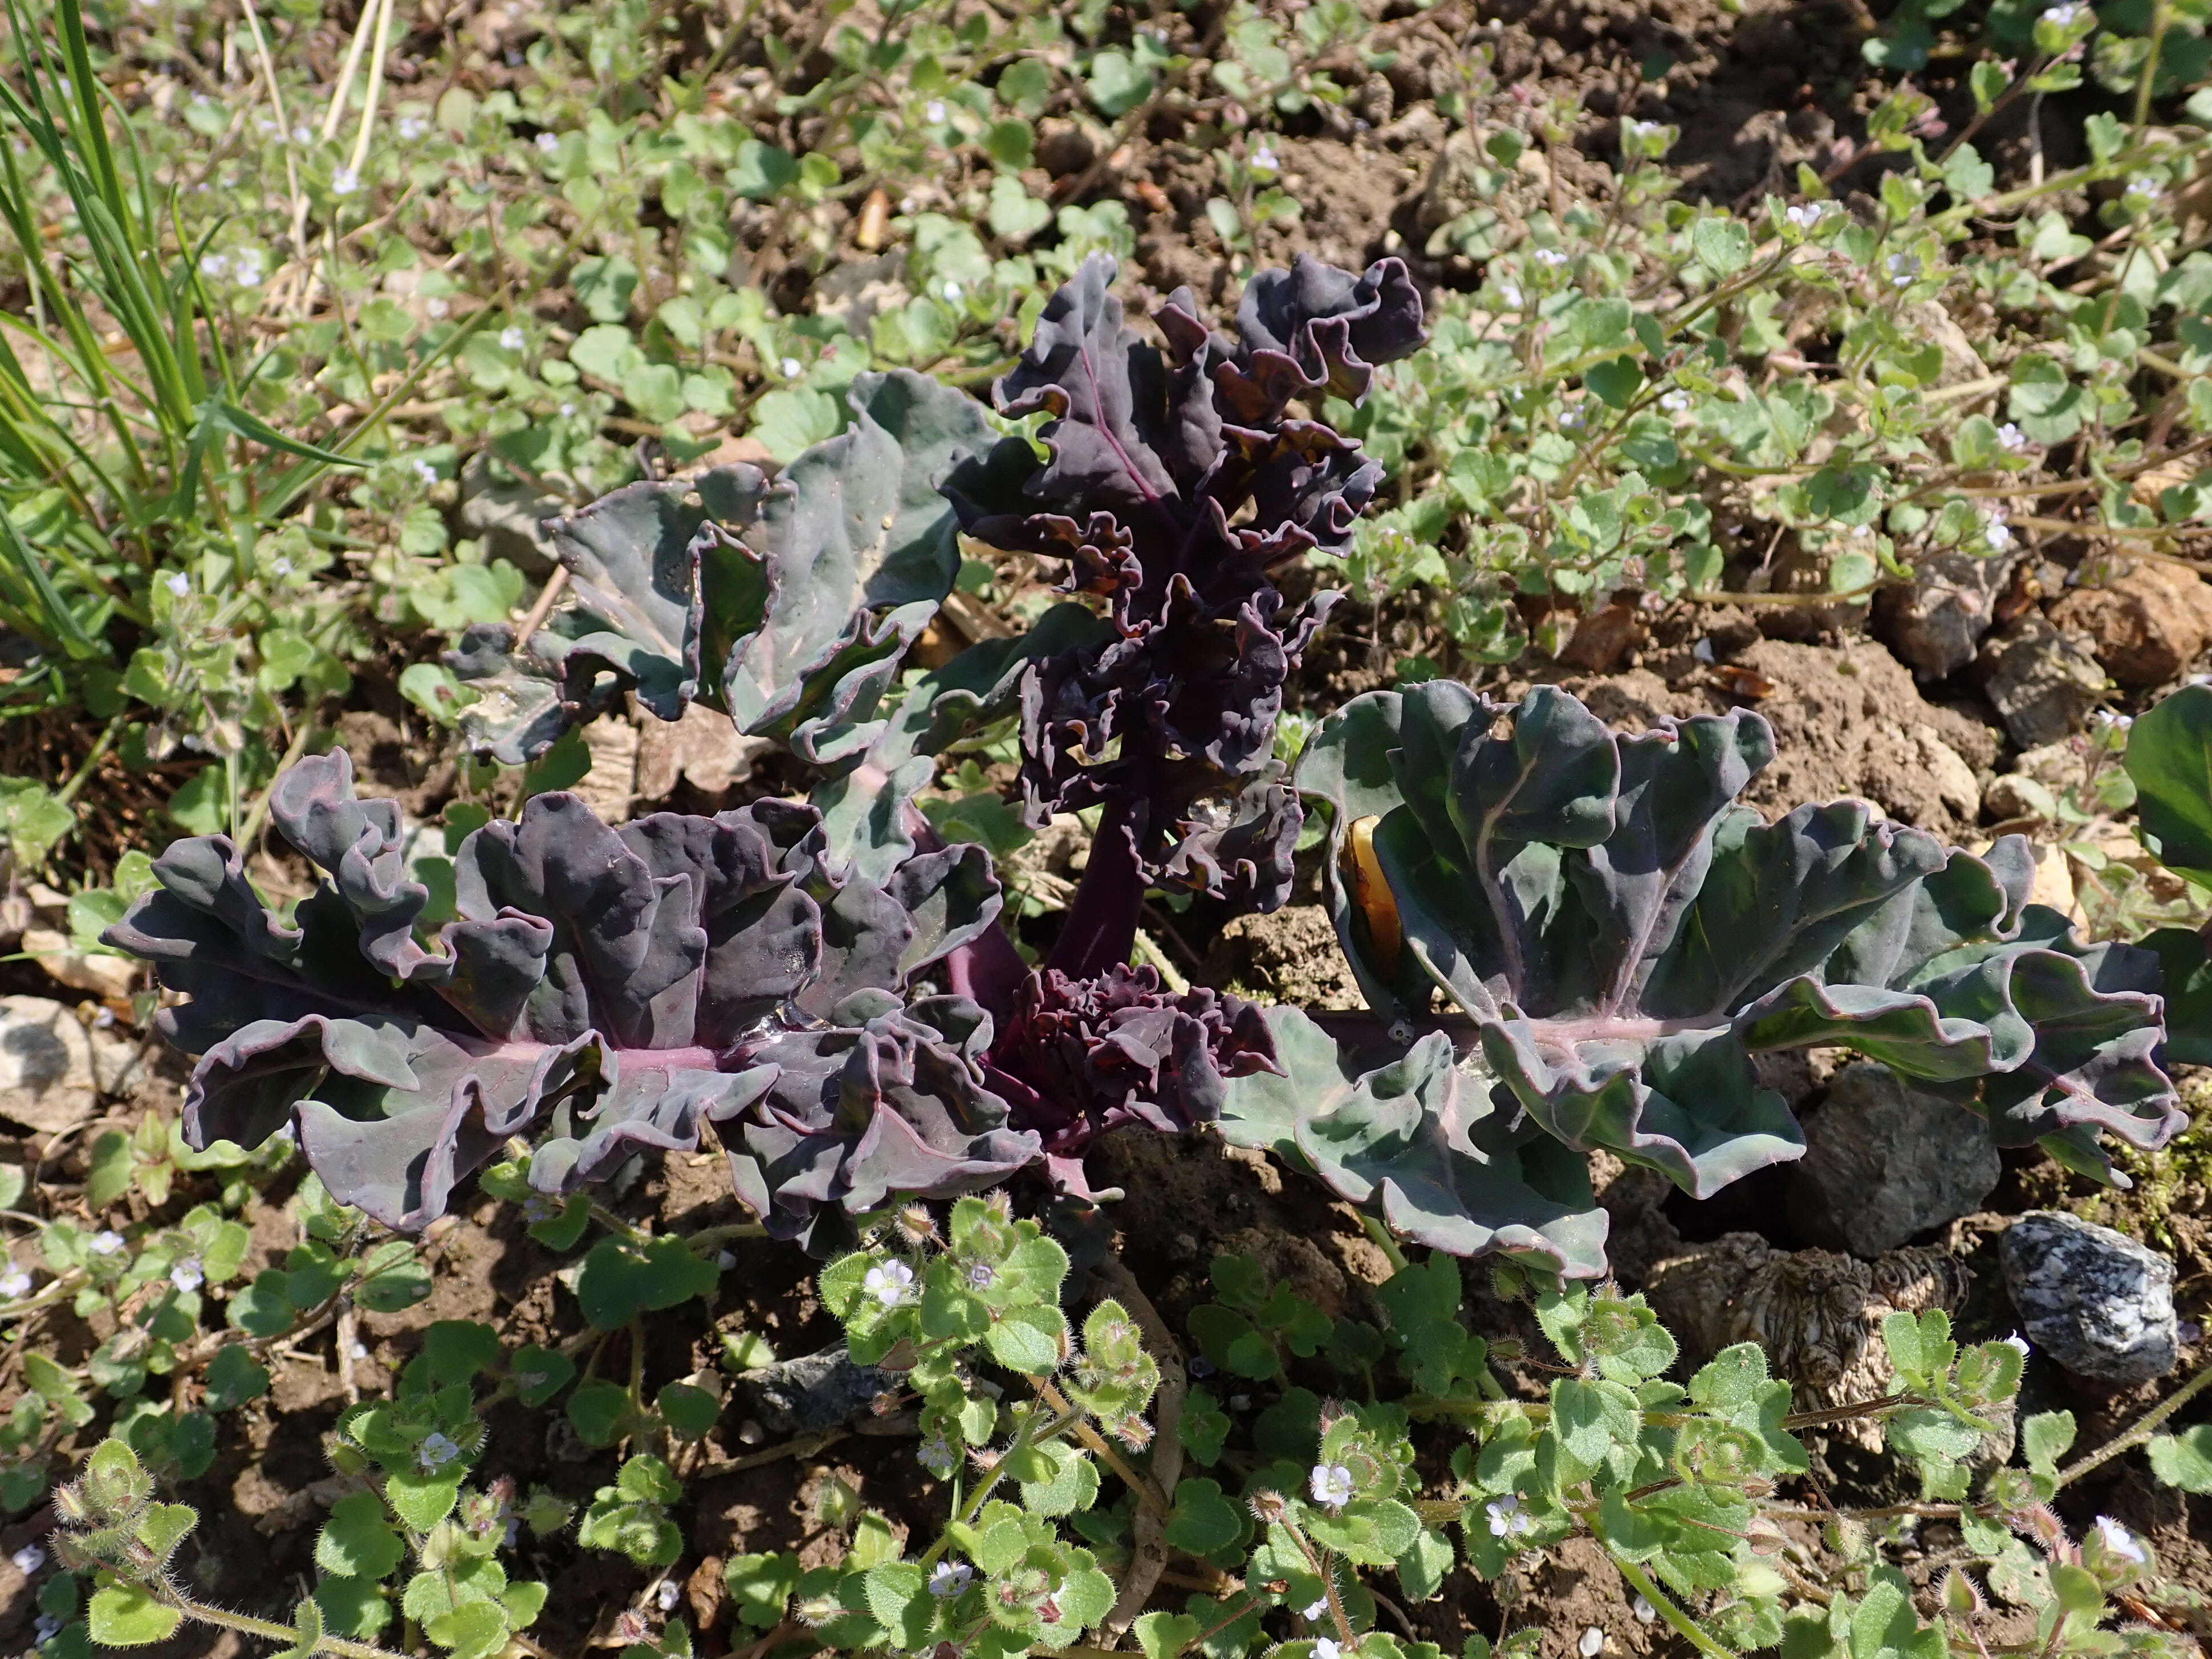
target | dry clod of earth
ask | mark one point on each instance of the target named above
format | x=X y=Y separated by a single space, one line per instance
x=1936 y=624
x=1816 y=1314
x=1289 y=956
x=702 y=749
x=1848 y=720
x=1885 y=1163
x=2148 y=622
x=2042 y=680
x=47 y=1082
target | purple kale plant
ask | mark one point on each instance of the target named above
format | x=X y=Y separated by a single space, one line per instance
x=1571 y=939
x=600 y=991
x=1179 y=483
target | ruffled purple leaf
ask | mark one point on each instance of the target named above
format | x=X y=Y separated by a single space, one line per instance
x=1082 y=1056
x=1177 y=485
x=603 y=991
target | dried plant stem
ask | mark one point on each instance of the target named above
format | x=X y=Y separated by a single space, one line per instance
x=1148 y=1528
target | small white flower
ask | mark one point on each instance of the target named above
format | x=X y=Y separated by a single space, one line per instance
x=44 y=1628
x=934 y=111
x=1592 y=1643
x=249 y=268
x=1511 y=294
x=105 y=1241
x=510 y=339
x=303 y=134
x=1507 y=1518
x=1996 y=533
x=1316 y=1613
x=950 y=290
x=1325 y=1648
x=537 y=1208
x=1904 y=269
x=548 y=143
x=436 y=308
x=214 y=265
x=2013 y=440
x=279 y=566
x=949 y=1578
x=1806 y=215
x=15 y=1283
x=1645 y=1612
x=1264 y=159
x=360 y=1351
x=1646 y=130
x=1551 y=256
x=2146 y=184
x=412 y=127
x=345 y=182
x=889 y=1282
x=2065 y=16
x=2016 y=1340
x=264 y=123
x=1331 y=1484
x=666 y=1594
x=725 y=1260
x=792 y=368
x=426 y=472
x=2106 y=720
x=2119 y=1541
x=1675 y=402
x=178 y=583
x=188 y=1274
x=435 y=1452
x=567 y=409
x=29 y=1559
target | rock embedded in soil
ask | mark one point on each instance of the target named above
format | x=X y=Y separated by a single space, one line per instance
x=1937 y=624
x=2147 y=622
x=1884 y=1163
x=813 y=1392
x=46 y=1080
x=2094 y=1300
x=2042 y=680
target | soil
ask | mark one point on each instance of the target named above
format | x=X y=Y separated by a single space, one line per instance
x=1758 y=88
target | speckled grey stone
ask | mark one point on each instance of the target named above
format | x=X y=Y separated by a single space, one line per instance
x=1885 y=1163
x=2094 y=1300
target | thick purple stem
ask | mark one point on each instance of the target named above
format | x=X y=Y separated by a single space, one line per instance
x=1102 y=922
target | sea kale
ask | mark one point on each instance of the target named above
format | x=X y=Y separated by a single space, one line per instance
x=1625 y=937
x=1179 y=484
x=600 y=991
x=828 y=985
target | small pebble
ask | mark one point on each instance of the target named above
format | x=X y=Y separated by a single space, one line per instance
x=1592 y=1643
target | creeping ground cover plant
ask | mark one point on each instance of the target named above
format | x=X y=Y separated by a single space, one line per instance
x=829 y=984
